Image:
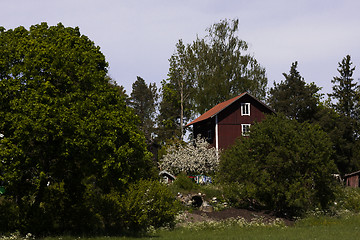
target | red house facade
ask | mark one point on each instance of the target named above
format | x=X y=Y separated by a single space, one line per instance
x=229 y=120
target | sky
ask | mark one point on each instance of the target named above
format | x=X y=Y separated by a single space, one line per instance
x=138 y=37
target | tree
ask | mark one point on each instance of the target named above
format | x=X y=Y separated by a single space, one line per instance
x=293 y=97
x=222 y=68
x=340 y=129
x=67 y=132
x=143 y=100
x=346 y=133
x=177 y=93
x=120 y=89
x=284 y=165
x=345 y=90
x=209 y=71
x=194 y=158
x=169 y=123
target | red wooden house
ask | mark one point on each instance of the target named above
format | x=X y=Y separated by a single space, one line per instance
x=229 y=120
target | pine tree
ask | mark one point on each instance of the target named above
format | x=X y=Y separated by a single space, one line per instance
x=143 y=100
x=293 y=97
x=346 y=96
x=345 y=90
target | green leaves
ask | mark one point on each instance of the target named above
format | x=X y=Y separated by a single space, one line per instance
x=144 y=100
x=63 y=122
x=294 y=98
x=286 y=163
x=209 y=71
x=345 y=90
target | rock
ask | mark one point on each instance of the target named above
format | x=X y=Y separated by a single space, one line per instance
x=206 y=207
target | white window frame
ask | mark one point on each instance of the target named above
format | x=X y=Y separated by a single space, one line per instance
x=247 y=128
x=245 y=109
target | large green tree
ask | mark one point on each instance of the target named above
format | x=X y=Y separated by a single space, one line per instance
x=66 y=130
x=285 y=166
x=223 y=68
x=294 y=97
x=143 y=100
x=211 y=70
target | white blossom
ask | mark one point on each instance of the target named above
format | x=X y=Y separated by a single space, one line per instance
x=197 y=158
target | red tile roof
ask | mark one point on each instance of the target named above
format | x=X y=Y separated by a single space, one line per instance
x=215 y=110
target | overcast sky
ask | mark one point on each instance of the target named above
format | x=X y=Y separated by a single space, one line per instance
x=138 y=37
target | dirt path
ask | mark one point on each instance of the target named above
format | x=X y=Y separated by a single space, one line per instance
x=248 y=215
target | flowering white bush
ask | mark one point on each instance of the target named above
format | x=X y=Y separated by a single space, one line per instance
x=197 y=158
x=17 y=236
x=210 y=224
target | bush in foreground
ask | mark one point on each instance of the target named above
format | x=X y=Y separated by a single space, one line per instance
x=348 y=199
x=147 y=203
x=284 y=166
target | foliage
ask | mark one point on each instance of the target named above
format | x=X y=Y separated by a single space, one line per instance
x=329 y=228
x=183 y=81
x=183 y=182
x=62 y=123
x=143 y=100
x=348 y=199
x=238 y=194
x=239 y=222
x=301 y=101
x=169 y=117
x=340 y=129
x=148 y=203
x=196 y=158
x=287 y=165
x=345 y=90
x=222 y=68
x=173 y=112
x=294 y=98
x=9 y=216
x=346 y=96
x=209 y=71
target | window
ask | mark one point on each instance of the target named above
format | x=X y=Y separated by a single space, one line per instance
x=245 y=109
x=245 y=129
x=209 y=135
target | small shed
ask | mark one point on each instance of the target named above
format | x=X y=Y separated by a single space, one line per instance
x=166 y=176
x=352 y=179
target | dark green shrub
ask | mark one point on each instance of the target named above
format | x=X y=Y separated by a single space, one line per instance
x=286 y=163
x=107 y=214
x=348 y=198
x=9 y=216
x=238 y=195
x=148 y=203
x=183 y=182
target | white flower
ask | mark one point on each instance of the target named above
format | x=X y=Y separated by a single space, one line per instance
x=199 y=158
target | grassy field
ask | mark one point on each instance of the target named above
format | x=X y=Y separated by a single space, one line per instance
x=310 y=228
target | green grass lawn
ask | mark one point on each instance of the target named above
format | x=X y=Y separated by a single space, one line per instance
x=309 y=228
